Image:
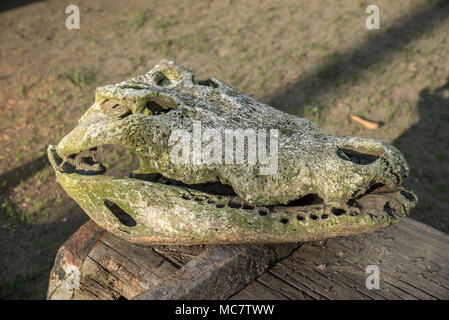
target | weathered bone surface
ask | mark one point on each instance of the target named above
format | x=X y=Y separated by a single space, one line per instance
x=324 y=185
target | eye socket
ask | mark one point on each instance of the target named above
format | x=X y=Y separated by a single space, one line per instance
x=166 y=77
x=154 y=108
x=113 y=109
x=161 y=79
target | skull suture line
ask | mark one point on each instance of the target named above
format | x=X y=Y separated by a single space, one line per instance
x=324 y=185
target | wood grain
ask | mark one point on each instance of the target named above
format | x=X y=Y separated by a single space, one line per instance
x=219 y=272
x=413 y=260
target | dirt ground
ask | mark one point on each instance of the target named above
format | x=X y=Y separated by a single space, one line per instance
x=314 y=59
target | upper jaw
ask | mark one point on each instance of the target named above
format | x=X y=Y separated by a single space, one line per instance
x=380 y=199
x=386 y=166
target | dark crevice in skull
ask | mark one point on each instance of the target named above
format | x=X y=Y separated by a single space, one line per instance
x=82 y=164
x=373 y=215
x=234 y=204
x=357 y=157
x=158 y=107
x=392 y=172
x=248 y=207
x=353 y=213
x=307 y=200
x=219 y=189
x=153 y=109
x=375 y=187
x=355 y=193
x=389 y=210
x=352 y=203
x=408 y=196
x=207 y=82
x=338 y=211
x=214 y=188
x=161 y=80
x=121 y=214
x=152 y=177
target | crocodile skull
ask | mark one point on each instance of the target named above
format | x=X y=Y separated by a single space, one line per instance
x=314 y=186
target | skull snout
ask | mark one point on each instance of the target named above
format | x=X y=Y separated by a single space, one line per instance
x=367 y=151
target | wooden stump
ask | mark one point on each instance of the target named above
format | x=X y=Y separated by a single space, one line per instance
x=412 y=258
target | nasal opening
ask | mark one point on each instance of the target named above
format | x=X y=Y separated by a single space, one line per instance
x=355 y=156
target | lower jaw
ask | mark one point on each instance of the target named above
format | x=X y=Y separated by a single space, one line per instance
x=153 y=213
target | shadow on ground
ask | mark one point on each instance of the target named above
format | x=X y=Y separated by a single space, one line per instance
x=35 y=251
x=349 y=66
x=10 y=5
x=426 y=148
x=35 y=244
x=14 y=177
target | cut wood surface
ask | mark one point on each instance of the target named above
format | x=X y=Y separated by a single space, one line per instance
x=412 y=258
x=218 y=272
x=413 y=262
